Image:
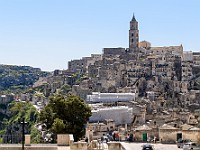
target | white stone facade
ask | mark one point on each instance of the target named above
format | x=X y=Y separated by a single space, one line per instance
x=121 y=115
x=110 y=97
x=187 y=56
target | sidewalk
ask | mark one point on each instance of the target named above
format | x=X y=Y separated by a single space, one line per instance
x=63 y=148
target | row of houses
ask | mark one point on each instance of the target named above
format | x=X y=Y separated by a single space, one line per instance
x=165 y=133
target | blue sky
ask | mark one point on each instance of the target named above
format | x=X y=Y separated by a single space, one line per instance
x=49 y=33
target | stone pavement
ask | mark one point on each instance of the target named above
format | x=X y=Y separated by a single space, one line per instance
x=63 y=148
x=138 y=146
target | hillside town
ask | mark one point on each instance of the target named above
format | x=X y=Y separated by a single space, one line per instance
x=151 y=93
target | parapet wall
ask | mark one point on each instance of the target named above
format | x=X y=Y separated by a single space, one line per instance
x=18 y=147
x=64 y=140
x=115 y=146
x=78 y=146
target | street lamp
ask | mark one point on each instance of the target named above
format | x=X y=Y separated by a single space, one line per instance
x=23 y=134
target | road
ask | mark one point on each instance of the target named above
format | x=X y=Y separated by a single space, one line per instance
x=138 y=146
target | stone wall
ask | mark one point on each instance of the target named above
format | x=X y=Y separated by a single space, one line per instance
x=27 y=139
x=194 y=135
x=19 y=147
x=138 y=135
x=113 y=51
x=115 y=146
x=63 y=139
x=168 y=135
x=78 y=146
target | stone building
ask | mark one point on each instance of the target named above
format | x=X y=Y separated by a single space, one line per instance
x=196 y=58
x=77 y=65
x=143 y=133
x=110 y=97
x=121 y=115
x=187 y=56
x=175 y=50
x=5 y=99
x=113 y=51
x=186 y=70
x=160 y=78
x=133 y=34
x=145 y=45
x=168 y=134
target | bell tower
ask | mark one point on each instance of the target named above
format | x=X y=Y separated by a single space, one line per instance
x=133 y=34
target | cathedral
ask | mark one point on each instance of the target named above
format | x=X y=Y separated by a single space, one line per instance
x=140 y=58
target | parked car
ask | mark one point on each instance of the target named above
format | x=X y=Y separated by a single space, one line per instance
x=147 y=147
x=181 y=142
x=191 y=146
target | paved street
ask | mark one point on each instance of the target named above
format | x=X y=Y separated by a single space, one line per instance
x=138 y=146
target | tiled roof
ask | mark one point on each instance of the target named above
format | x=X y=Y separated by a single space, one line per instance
x=143 y=127
x=166 y=126
x=186 y=127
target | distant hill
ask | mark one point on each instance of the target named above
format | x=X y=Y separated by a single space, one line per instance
x=16 y=78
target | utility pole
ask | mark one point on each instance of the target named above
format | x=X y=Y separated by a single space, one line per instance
x=23 y=134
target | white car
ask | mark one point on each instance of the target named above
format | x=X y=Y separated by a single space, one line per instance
x=181 y=142
x=191 y=146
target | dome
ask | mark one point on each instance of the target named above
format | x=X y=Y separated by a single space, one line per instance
x=145 y=44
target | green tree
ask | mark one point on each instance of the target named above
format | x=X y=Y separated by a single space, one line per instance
x=24 y=110
x=36 y=136
x=58 y=126
x=18 y=111
x=66 y=115
x=66 y=88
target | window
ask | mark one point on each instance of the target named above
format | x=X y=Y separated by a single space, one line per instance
x=193 y=144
